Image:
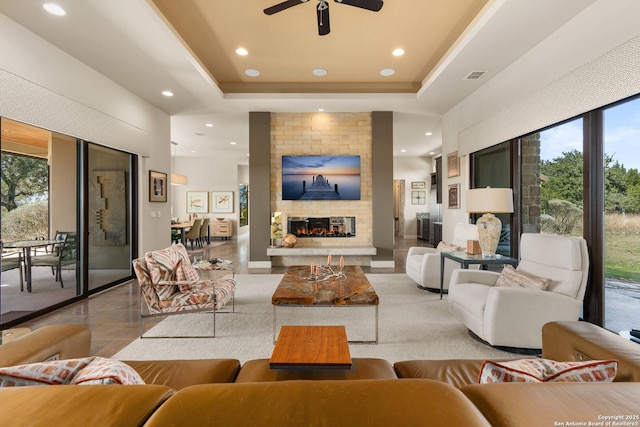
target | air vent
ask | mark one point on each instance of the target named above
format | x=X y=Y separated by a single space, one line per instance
x=475 y=75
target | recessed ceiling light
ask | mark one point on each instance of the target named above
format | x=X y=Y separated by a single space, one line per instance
x=398 y=52
x=242 y=51
x=387 y=72
x=429 y=133
x=209 y=125
x=321 y=109
x=233 y=143
x=167 y=93
x=432 y=152
x=251 y=72
x=193 y=151
x=319 y=72
x=54 y=9
x=403 y=151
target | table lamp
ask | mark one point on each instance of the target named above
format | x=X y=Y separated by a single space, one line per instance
x=489 y=201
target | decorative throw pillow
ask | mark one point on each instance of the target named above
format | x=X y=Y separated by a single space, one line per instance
x=515 y=278
x=445 y=247
x=86 y=370
x=162 y=266
x=107 y=371
x=44 y=373
x=545 y=370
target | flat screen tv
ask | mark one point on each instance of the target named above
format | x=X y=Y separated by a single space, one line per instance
x=320 y=177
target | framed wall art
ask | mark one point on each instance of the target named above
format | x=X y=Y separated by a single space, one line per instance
x=197 y=202
x=454 y=196
x=222 y=201
x=453 y=165
x=418 y=197
x=243 y=204
x=418 y=185
x=157 y=186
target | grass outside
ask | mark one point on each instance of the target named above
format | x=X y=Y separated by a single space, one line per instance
x=622 y=247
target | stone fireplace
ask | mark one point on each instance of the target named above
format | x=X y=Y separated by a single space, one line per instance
x=334 y=226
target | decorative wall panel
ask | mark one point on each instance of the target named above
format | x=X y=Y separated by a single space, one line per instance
x=107 y=208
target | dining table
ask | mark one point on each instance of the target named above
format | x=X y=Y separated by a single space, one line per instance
x=26 y=246
x=183 y=227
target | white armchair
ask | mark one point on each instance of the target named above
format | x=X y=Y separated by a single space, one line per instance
x=423 y=264
x=513 y=316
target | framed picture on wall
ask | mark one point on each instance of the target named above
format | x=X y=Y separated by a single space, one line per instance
x=418 y=197
x=418 y=185
x=453 y=165
x=243 y=205
x=454 y=196
x=157 y=186
x=222 y=201
x=197 y=202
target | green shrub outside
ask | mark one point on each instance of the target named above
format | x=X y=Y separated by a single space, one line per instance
x=26 y=222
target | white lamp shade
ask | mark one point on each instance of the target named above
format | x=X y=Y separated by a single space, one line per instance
x=490 y=200
x=177 y=179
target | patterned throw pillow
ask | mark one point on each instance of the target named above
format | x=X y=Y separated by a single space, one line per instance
x=519 y=279
x=162 y=266
x=445 y=247
x=545 y=370
x=86 y=370
x=54 y=372
x=107 y=371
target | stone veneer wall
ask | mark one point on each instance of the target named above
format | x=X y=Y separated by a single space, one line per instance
x=324 y=134
x=530 y=185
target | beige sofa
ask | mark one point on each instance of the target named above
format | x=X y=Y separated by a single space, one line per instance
x=433 y=393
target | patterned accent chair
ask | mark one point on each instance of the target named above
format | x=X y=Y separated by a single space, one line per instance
x=169 y=284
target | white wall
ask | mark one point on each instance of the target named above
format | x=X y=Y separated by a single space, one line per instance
x=43 y=86
x=592 y=61
x=207 y=174
x=413 y=169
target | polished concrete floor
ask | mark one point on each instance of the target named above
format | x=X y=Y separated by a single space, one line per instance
x=113 y=315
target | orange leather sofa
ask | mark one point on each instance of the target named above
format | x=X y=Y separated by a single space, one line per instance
x=434 y=393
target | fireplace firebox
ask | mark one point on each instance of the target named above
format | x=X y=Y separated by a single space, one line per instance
x=334 y=226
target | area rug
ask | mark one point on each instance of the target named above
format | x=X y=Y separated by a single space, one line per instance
x=413 y=324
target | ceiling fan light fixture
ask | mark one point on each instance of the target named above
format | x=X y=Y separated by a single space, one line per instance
x=251 y=72
x=322 y=10
x=320 y=72
x=387 y=72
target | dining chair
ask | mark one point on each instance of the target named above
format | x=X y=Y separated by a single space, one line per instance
x=204 y=231
x=62 y=255
x=9 y=261
x=193 y=235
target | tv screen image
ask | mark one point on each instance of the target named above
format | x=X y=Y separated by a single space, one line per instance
x=320 y=177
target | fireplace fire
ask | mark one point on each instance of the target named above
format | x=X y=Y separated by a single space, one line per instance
x=340 y=226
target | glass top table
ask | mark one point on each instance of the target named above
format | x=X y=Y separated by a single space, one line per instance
x=466 y=260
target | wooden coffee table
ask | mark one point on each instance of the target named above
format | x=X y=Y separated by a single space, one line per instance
x=352 y=290
x=311 y=346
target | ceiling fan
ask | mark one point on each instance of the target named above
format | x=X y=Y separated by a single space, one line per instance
x=323 y=10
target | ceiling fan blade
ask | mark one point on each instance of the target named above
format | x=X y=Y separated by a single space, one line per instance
x=372 y=5
x=282 y=6
x=323 y=18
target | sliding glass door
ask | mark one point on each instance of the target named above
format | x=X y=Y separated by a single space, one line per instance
x=66 y=220
x=39 y=221
x=109 y=224
x=622 y=215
